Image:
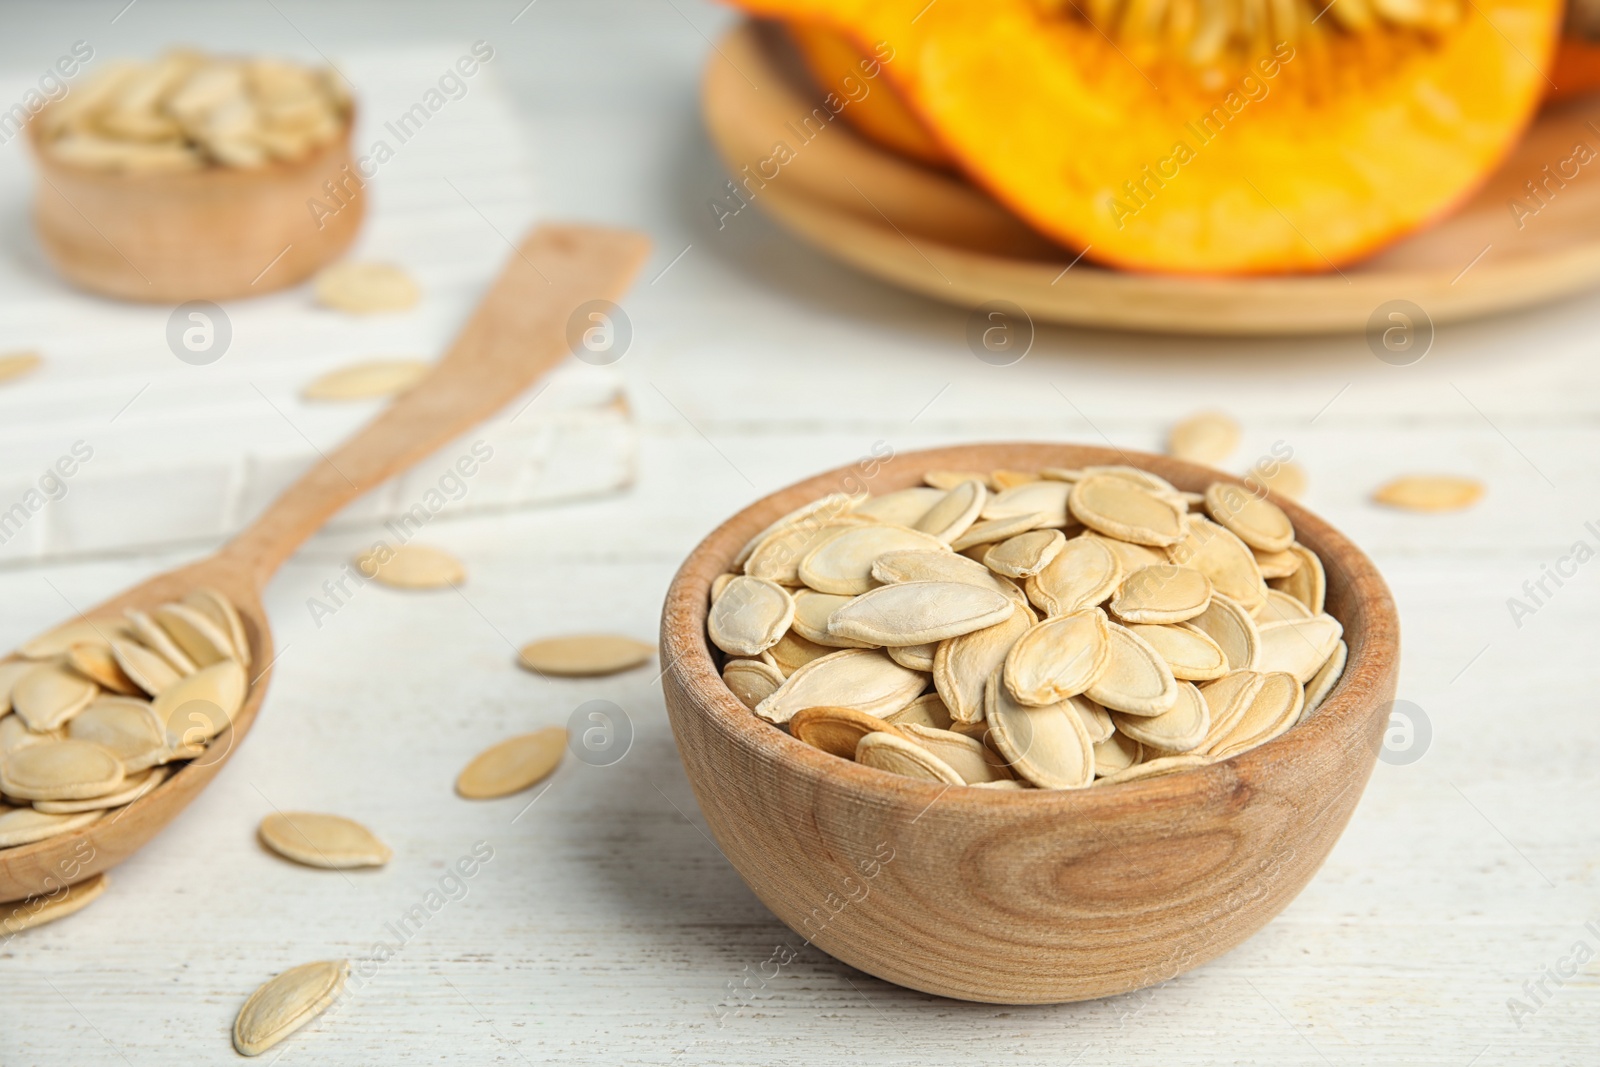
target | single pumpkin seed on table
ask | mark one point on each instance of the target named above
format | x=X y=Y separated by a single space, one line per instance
x=1208 y=437
x=1429 y=492
x=286 y=1003
x=366 y=381
x=1142 y=601
x=513 y=765
x=15 y=365
x=365 y=288
x=585 y=655
x=412 y=567
x=319 y=840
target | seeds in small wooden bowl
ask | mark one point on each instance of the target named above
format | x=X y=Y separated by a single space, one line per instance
x=1160 y=642
x=94 y=714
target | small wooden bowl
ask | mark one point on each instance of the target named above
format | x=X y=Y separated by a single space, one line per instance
x=212 y=234
x=1037 y=896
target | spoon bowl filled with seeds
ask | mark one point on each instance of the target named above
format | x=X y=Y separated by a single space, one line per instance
x=1027 y=723
x=114 y=721
x=195 y=177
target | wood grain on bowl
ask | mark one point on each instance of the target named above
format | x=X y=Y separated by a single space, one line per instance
x=217 y=233
x=1027 y=896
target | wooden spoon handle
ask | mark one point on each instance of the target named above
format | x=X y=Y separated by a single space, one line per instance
x=514 y=337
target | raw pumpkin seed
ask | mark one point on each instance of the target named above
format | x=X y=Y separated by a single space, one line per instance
x=1155 y=768
x=1161 y=593
x=964 y=755
x=1218 y=553
x=750 y=616
x=1259 y=523
x=941 y=566
x=1429 y=492
x=1047 y=745
x=963 y=665
x=1208 y=437
x=59 y=770
x=131 y=789
x=914 y=613
x=146 y=630
x=96 y=663
x=859 y=678
x=1116 y=753
x=202 y=640
x=843 y=564
x=512 y=765
x=1190 y=653
x=1046 y=499
x=412 y=567
x=1136 y=680
x=835 y=730
x=1118 y=508
x=14 y=365
x=751 y=680
x=954 y=513
x=916 y=657
x=24 y=826
x=1227 y=699
x=1026 y=554
x=80 y=631
x=1083 y=574
x=1299 y=646
x=990 y=531
x=366 y=381
x=927 y=710
x=813 y=610
x=20 y=915
x=286 y=1003
x=1058 y=658
x=1273 y=708
x=1325 y=680
x=220 y=610
x=201 y=706
x=585 y=655
x=50 y=694
x=901 y=508
x=948 y=480
x=1232 y=628
x=1179 y=729
x=893 y=753
x=1309 y=583
x=365 y=288
x=145 y=667
x=319 y=840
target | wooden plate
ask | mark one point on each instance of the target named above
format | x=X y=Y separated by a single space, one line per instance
x=931 y=232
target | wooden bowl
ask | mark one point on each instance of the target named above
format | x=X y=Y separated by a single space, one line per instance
x=1026 y=897
x=212 y=234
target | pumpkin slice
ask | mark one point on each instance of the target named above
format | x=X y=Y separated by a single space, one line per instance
x=1183 y=137
x=870 y=103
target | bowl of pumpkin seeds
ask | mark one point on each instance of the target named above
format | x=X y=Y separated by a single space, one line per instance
x=1027 y=723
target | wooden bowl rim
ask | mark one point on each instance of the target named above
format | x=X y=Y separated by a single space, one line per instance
x=686 y=651
x=182 y=179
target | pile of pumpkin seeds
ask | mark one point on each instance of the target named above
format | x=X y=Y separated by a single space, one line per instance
x=186 y=111
x=94 y=714
x=1051 y=630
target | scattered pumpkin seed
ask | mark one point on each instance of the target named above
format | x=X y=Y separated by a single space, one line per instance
x=286 y=1003
x=319 y=840
x=513 y=765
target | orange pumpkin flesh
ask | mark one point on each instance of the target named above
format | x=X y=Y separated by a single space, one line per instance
x=1300 y=158
x=1576 y=71
x=880 y=115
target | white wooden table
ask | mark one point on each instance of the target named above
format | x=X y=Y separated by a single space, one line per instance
x=606 y=928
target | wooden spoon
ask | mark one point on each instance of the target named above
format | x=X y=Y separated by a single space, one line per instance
x=516 y=335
